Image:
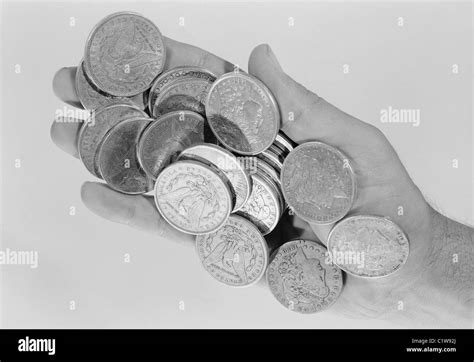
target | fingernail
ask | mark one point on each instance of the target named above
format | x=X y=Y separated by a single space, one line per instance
x=272 y=56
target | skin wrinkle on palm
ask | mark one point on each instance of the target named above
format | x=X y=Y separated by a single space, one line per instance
x=358 y=140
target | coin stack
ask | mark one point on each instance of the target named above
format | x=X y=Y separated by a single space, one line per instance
x=212 y=151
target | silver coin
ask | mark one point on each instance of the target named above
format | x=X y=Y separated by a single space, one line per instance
x=242 y=113
x=92 y=98
x=301 y=280
x=273 y=157
x=275 y=187
x=318 y=183
x=176 y=74
x=94 y=129
x=117 y=158
x=193 y=197
x=163 y=140
x=263 y=207
x=270 y=172
x=186 y=94
x=124 y=54
x=278 y=152
x=284 y=142
x=236 y=254
x=368 y=246
x=228 y=164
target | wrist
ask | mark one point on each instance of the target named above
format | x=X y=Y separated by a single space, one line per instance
x=436 y=284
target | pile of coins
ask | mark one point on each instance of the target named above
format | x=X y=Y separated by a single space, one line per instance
x=211 y=150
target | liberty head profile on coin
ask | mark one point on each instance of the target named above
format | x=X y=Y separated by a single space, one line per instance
x=193 y=197
x=377 y=245
x=236 y=254
x=242 y=113
x=124 y=54
x=301 y=280
x=318 y=183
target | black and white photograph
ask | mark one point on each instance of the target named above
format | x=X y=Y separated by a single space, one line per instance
x=203 y=175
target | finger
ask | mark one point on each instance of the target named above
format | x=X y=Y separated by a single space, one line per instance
x=180 y=54
x=137 y=211
x=64 y=86
x=64 y=133
x=305 y=115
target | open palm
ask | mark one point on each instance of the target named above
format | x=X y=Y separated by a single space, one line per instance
x=384 y=187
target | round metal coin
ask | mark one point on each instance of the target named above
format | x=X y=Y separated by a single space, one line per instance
x=193 y=197
x=368 y=246
x=187 y=94
x=301 y=280
x=92 y=98
x=269 y=172
x=284 y=142
x=273 y=157
x=164 y=139
x=117 y=159
x=318 y=183
x=228 y=164
x=263 y=207
x=175 y=75
x=236 y=254
x=94 y=129
x=242 y=113
x=124 y=54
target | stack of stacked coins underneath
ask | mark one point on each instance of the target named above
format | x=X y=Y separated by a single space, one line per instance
x=211 y=150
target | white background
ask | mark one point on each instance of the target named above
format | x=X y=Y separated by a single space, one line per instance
x=81 y=256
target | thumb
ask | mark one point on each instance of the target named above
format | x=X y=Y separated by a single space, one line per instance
x=305 y=116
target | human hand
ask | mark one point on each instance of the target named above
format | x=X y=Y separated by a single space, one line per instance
x=383 y=183
x=425 y=291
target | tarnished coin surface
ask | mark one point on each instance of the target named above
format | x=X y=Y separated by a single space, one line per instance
x=124 y=54
x=164 y=139
x=301 y=280
x=92 y=98
x=242 y=113
x=117 y=158
x=175 y=75
x=368 y=246
x=228 y=164
x=263 y=207
x=193 y=197
x=93 y=131
x=236 y=254
x=318 y=183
